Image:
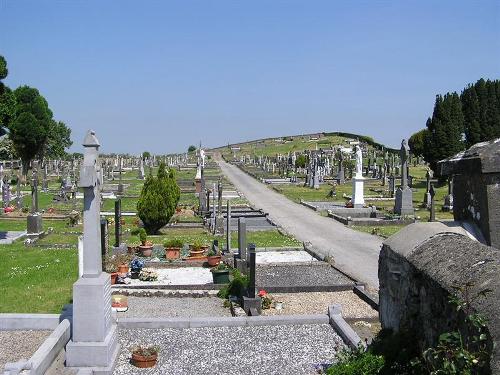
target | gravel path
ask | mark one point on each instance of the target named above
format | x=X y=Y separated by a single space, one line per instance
x=185 y=307
x=317 y=303
x=288 y=275
x=354 y=252
x=16 y=345
x=233 y=350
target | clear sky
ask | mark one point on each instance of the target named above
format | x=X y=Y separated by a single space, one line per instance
x=160 y=75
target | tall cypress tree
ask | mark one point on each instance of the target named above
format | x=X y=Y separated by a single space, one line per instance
x=471 y=111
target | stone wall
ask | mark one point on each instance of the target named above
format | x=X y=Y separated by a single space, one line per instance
x=418 y=270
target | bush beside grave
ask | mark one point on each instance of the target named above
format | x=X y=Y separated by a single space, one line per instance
x=158 y=200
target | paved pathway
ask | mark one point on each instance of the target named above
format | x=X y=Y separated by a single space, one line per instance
x=354 y=252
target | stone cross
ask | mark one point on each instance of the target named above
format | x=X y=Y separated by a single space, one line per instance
x=34 y=189
x=5 y=191
x=404 y=153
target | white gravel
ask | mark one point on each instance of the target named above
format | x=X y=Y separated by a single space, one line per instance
x=17 y=345
x=317 y=303
x=164 y=307
x=179 y=276
x=233 y=350
x=288 y=256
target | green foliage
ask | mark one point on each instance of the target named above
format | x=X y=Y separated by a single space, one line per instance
x=445 y=129
x=173 y=243
x=236 y=287
x=58 y=140
x=146 y=155
x=456 y=352
x=417 y=142
x=357 y=362
x=7 y=99
x=30 y=128
x=158 y=200
x=191 y=148
x=143 y=236
x=301 y=161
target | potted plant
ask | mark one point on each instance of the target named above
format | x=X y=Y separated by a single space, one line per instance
x=214 y=256
x=122 y=262
x=197 y=249
x=136 y=267
x=144 y=357
x=220 y=274
x=173 y=249
x=146 y=247
x=111 y=268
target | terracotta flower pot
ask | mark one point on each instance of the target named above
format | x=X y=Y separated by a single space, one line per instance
x=146 y=250
x=172 y=253
x=123 y=268
x=143 y=361
x=213 y=260
x=113 y=275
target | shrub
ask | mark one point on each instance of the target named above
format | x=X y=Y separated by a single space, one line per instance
x=143 y=237
x=236 y=287
x=173 y=243
x=357 y=362
x=158 y=200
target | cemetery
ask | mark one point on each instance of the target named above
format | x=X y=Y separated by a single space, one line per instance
x=240 y=191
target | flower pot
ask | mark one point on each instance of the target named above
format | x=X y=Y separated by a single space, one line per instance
x=196 y=253
x=220 y=276
x=213 y=260
x=172 y=253
x=146 y=250
x=123 y=268
x=143 y=361
x=113 y=275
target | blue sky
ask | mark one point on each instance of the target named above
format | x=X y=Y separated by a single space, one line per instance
x=160 y=75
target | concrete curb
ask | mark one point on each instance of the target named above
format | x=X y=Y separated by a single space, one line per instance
x=244 y=321
x=345 y=331
x=360 y=291
x=42 y=359
x=22 y=322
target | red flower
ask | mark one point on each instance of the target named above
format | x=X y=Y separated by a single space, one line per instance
x=262 y=293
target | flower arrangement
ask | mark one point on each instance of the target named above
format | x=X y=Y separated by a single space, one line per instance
x=148 y=274
x=267 y=299
x=136 y=265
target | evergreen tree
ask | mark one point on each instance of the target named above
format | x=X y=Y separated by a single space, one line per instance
x=471 y=111
x=7 y=99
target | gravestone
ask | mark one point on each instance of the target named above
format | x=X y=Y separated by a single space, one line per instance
x=427 y=195
x=19 y=199
x=432 y=193
x=358 y=199
x=228 y=226
x=45 y=182
x=94 y=332
x=120 y=182
x=240 y=259
x=5 y=191
x=448 y=199
x=404 y=196
x=140 y=175
x=252 y=304
x=35 y=225
x=219 y=219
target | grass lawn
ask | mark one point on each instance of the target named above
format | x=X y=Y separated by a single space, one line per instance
x=34 y=280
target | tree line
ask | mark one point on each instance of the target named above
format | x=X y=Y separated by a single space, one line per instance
x=459 y=121
x=28 y=123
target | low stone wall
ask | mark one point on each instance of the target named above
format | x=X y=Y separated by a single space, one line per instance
x=420 y=266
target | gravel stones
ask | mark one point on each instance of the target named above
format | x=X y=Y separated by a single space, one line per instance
x=300 y=275
x=353 y=307
x=233 y=350
x=17 y=345
x=169 y=307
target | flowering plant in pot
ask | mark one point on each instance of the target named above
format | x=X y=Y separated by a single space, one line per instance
x=214 y=256
x=148 y=274
x=197 y=249
x=136 y=267
x=220 y=274
x=122 y=262
x=111 y=268
x=146 y=247
x=173 y=249
x=144 y=357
